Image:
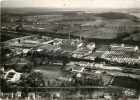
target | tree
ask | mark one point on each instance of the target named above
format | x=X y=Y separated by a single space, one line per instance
x=34 y=79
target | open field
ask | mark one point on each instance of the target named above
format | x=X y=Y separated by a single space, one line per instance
x=96 y=24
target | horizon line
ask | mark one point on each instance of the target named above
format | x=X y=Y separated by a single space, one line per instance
x=73 y=8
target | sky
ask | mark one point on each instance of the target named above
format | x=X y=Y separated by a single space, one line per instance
x=72 y=3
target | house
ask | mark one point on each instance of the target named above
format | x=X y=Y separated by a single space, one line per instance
x=12 y=76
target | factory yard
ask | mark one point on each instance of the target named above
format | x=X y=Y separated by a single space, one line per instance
x=55 y=63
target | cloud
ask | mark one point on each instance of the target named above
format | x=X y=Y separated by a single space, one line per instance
x=17 y=3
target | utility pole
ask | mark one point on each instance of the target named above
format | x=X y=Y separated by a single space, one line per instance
x=80 y=33
x=69 y=35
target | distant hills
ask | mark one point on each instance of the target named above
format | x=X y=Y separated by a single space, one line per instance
x=129 y=25
x=116 y=15
x=105 y=25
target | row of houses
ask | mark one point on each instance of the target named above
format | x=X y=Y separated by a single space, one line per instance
x=123 y=54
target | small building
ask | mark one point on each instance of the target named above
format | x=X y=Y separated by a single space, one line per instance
x=12 y=76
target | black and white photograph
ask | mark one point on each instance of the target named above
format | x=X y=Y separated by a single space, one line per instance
x=69 y=49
